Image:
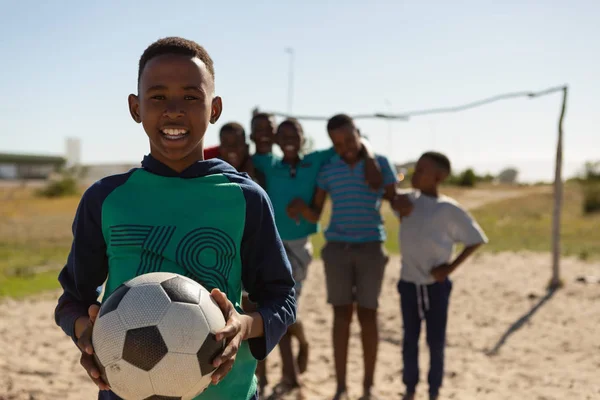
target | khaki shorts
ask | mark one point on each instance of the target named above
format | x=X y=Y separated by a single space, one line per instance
x=300 y=254
x=354 y=273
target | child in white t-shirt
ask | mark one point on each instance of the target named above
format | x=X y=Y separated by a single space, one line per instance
x=428 y=234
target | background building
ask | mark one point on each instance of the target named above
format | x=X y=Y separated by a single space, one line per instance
x=28 y=166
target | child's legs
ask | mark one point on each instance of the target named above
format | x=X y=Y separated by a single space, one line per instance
x=300 y=254
x=411 y=326
x=297 y=330
x=342 y=318
x=436 y=320
x=289 y=369
x=261 y=374
x=339 y=276
x=371 y=261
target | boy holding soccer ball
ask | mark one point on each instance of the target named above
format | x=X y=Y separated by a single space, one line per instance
x=174 y=194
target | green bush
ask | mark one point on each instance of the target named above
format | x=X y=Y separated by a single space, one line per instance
x=65 y=186
x=487 y=178
x=591 y=197
x=592 y=171
x=467 y=178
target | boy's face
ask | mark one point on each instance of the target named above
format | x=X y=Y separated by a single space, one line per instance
x=427 y=175
x=346 y=142
x=263 y=134
x=233 y=148
x=175 y=104
x=290 y=141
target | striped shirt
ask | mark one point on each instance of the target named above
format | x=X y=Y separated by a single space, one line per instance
x=356 y=207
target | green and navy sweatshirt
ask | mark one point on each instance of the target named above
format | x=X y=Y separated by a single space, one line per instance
x=210 y=223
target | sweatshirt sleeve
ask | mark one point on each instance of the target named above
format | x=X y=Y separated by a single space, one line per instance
x=87 y=264
x=266 y=271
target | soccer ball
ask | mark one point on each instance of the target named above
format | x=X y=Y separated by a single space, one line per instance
x=154 y=338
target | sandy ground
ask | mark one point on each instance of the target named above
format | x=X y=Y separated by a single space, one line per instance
x=553 y=354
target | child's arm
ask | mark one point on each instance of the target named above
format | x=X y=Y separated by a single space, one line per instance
x=312 y=213
x=399 y=202
x=87 y=264
x=266 y=275
x=441 y=272
x=263 y=162
x=462 y=229
x=85 y=271
x=374 y=174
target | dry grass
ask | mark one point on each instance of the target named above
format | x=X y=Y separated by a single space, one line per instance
x=35 y=236
x=526 y=224
x=35 y=233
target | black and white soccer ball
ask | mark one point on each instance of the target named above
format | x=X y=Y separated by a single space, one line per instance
x=154 y=337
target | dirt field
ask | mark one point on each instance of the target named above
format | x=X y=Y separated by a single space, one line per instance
x=546 y=346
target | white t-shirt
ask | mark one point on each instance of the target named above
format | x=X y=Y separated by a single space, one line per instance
x=428 y=235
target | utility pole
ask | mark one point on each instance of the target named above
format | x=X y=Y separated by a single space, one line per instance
x=291 y=52
x=390 y=151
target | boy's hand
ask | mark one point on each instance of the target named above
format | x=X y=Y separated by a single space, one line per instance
x=84 y=342
x=402 y=205
x=441 y=272
x=295 y=208
x=235 y=330
x=373 y=174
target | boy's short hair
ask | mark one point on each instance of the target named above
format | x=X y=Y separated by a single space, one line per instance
x=440 y=160
x=233 y=127
x=261 y=115
x=175 y=45
x=339 y=121
x=294 y=123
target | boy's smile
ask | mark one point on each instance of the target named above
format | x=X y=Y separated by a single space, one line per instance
x=290 y=141
x=263 y=133
x=175 y=105
x=174 y=133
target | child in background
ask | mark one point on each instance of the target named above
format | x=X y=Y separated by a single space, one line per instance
x=262 y=132
x=211 y=152
x=234 y=149
x=427 y=239
x=291 y=182
x=354 y=256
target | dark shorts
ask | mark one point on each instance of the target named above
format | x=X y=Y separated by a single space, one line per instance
x=354 y=273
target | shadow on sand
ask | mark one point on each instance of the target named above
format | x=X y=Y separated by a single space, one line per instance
x=518 y=324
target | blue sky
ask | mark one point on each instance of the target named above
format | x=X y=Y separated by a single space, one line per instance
x=67 y=68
